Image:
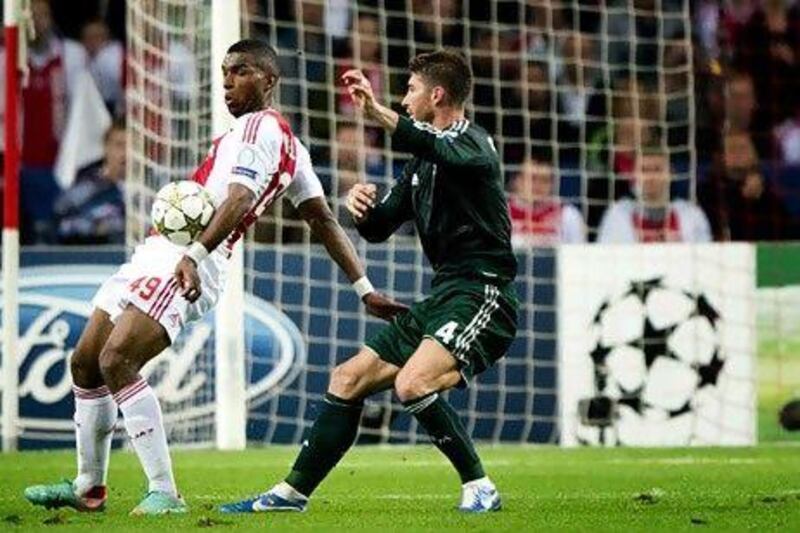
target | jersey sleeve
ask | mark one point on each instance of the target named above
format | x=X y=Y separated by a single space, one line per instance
x=615 y=226
x=573 y=230
x=450 y=147
x=305 y=184
x=702 y=227
x=257 y=149
x=390 y=212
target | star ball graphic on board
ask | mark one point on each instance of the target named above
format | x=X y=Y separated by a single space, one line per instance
x=655 y=355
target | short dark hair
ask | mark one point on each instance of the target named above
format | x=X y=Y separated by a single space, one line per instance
x=448 y=69
x=266 y=56
x=118 y=124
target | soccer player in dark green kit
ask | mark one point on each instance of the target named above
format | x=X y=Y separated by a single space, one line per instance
x=453 y=191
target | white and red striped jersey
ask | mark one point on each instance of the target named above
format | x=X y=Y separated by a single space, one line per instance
x=261 y=153
x=624 y=222
x=545 y=224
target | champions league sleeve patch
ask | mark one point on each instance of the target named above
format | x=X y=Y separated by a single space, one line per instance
x=246 y=172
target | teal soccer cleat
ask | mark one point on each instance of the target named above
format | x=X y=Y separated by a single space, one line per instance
x=159 y=503
x=63 y=494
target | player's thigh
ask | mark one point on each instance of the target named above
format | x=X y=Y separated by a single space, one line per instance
x=396 y=342
x=432 y=368
x=135 y=339
x=85 y=359
x=362 y=375
x=474 y=322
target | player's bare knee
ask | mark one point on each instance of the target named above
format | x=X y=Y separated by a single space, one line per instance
x=85 y=369
x=345 y=382
x=115 y=368
x=410 y=386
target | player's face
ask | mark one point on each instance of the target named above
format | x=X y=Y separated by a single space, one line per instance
x=654 y=179
x=534 y=182
x=419 y=100
x=246 y=84
x=42 y=17
x=115 y=148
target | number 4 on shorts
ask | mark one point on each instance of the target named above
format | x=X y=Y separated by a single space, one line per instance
x=447 y=331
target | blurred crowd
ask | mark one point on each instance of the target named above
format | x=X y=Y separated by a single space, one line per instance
x=617 y=120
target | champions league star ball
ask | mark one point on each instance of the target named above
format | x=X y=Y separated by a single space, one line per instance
x=656 y=359
x=181 y=211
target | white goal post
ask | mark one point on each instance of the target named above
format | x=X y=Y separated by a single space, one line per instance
x=231 y=404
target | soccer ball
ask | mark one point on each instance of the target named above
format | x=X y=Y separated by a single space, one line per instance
x=656 y=357
x=181 y=211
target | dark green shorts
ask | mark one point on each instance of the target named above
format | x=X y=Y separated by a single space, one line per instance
x=474 y=320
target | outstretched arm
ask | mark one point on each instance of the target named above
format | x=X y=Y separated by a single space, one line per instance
x=325 y=227
x=360 y=91
x=226 y=218
x=422 y=140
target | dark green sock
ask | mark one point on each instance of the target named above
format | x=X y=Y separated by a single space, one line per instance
x=448 y=434
x=332 y=434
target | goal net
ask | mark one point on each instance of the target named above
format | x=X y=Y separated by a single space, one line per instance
x=575 y=85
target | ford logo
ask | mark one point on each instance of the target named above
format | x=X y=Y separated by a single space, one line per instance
x=55 y=303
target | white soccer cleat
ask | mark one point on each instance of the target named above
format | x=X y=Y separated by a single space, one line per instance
x=479 y=496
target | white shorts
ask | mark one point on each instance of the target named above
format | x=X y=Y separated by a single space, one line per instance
x=147 y=282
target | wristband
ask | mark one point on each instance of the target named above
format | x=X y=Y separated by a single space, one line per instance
x=362 y=286
x=196 y=252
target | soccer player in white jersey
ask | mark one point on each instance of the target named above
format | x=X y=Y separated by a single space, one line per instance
x=651 y=216
x=142 y=308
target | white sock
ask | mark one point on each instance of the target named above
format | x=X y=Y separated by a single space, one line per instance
x=478 y=482
x=95 y=416
x=142 y=414
x=287 y=492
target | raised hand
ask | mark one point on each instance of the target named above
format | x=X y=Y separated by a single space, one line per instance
x=360 y=90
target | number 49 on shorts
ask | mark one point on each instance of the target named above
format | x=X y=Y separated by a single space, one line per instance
x=446 y=332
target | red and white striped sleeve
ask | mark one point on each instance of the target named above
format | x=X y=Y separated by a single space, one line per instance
x=258 y=139
x=305 y=183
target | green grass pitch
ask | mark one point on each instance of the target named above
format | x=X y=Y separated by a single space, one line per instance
x=413 y=488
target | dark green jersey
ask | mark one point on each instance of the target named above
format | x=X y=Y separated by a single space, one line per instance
x=453 y=190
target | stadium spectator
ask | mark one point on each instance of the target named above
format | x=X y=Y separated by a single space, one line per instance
x=54 y=65
x=651 y=215
x=741 y=203
x=612 y=150
x=363 y=53
x=536 y=37
x=636 y=30
x=538 y=216
x=580 y=95
x=356 y=158
x=106 y=58
x=92 y=210
x=787 y=137
x=495 y=81
x=769 y=50
x=531 y=102
x=306 y=72
x=741 y=112
x=437 y=23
